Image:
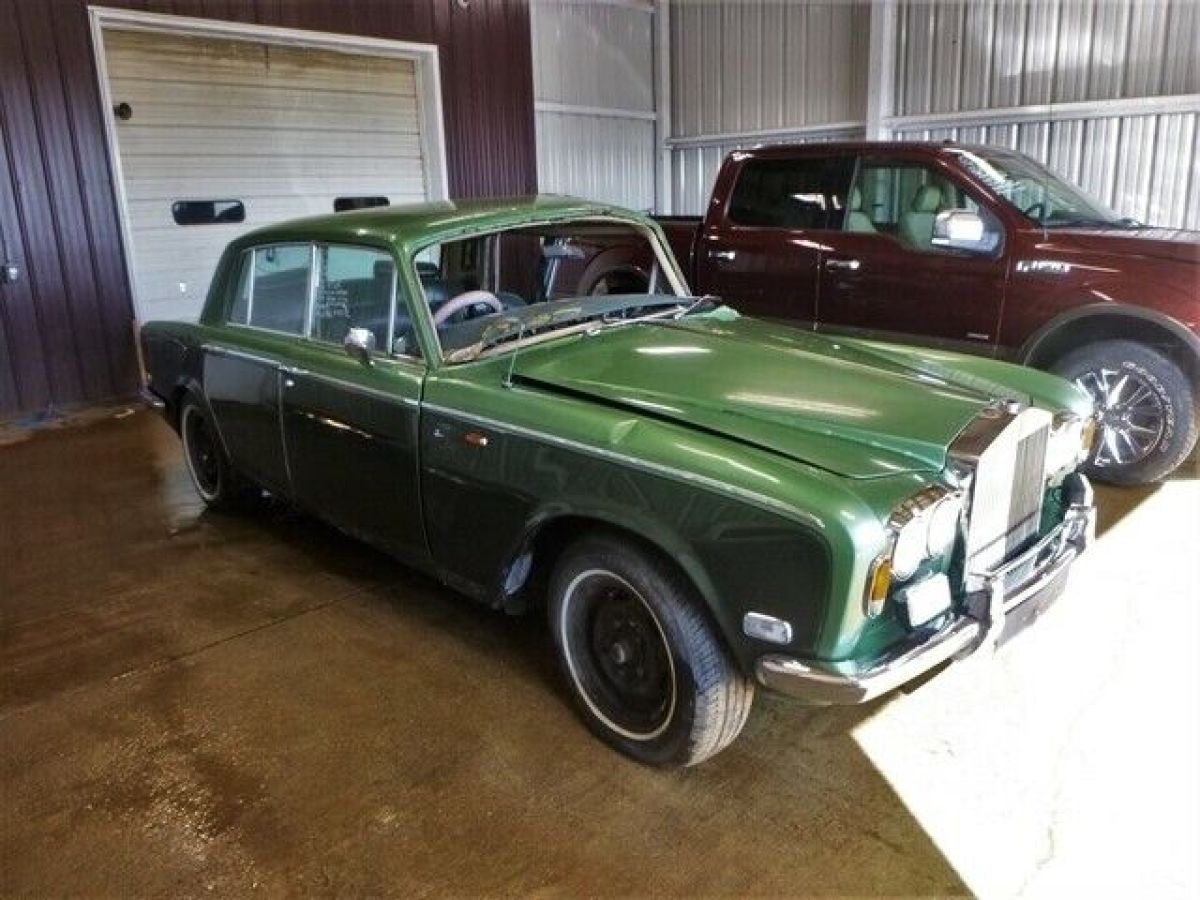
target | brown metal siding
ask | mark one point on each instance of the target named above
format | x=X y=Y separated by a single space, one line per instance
x=65 y=327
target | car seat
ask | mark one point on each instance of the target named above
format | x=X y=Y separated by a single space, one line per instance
x=915 y=227
x=856 y=219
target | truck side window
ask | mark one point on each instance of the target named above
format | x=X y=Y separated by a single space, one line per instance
x=903 y=200
x=806 y=193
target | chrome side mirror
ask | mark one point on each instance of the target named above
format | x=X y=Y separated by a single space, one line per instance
x=359 y=343
x=962 y=229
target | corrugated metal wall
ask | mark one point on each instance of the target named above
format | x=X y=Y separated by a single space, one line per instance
x=66 y=326
x=593 y=81
x=760 y=70
x=998 y=56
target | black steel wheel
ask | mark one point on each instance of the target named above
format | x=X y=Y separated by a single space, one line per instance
x=214 y=478
x=648 y=672
x=1146 y=409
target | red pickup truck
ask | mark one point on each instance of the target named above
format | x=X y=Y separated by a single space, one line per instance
x=970 y=248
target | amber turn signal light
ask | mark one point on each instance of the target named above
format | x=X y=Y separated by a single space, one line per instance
x=878 y=584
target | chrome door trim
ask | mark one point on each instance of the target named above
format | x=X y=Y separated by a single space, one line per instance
x=720 y=487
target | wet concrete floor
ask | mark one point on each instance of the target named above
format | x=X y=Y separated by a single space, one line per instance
x=194 y=703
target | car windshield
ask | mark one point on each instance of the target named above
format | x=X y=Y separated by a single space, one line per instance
x=535 y=282
x=1036 y=192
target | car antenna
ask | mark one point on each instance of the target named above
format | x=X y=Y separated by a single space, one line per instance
x=512 y=360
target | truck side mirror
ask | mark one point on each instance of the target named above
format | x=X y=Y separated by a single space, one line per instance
x=962 y=229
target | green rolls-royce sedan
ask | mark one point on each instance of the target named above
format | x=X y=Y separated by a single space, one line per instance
x=702 y=503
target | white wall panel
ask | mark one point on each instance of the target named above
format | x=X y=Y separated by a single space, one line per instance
x=594 y=98
x=976 y=54
x=748 y=71
x=597 y=157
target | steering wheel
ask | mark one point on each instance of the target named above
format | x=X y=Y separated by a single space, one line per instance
x=1041 y=210
x=465 y=300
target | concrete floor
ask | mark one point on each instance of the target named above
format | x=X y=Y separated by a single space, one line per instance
x=192 y=702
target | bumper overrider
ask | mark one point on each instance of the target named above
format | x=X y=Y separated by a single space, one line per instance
x=1007 y=599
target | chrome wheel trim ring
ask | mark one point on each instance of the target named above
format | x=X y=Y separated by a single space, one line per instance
x=1133 y=419
x=564 y=639
x=186 y=428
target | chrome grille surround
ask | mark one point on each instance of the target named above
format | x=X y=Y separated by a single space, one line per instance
x=1005 y=451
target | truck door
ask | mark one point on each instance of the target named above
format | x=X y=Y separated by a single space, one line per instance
x=762 y=252
x=882 y=275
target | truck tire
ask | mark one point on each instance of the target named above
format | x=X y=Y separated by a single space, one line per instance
x=1147 y=408
x=215 y=480
x=645 y=667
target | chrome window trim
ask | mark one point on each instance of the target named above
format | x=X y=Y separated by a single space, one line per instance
x=721 y=487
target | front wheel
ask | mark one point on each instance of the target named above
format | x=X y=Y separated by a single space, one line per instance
x=647 y=670
x=1146 y=405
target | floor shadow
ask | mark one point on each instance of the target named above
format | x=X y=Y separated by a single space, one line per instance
x=286 y=708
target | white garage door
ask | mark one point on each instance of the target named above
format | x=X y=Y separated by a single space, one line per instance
x=210 y=130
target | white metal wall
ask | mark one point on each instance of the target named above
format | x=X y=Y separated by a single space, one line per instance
x=1106 y=93
x=593 y=81
x=745 y=72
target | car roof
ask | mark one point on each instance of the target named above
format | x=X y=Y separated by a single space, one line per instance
x=820 y=148
x=417 y=222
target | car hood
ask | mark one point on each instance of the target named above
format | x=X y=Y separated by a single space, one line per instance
x=1174 y=244
x=836 y=405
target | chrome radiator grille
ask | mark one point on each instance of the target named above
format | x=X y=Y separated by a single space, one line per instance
x=1009 y=484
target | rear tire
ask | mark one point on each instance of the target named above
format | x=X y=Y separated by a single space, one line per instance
x=1147 y=406
x=214 y=479
x=647 y=671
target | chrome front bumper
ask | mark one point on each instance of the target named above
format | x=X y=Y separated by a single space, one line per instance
x=1003 y=602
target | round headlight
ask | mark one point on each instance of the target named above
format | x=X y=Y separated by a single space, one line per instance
x=910 y=547
x=943 y=524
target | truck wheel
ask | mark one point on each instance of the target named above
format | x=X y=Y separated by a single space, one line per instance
x=215 y=480
x=620 y=281
x=646 y=669
x=1147 y=410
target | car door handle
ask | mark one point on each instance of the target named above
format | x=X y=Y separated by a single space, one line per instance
x=843 y=265
x=727 y=255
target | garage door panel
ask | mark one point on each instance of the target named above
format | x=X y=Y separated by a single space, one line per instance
x=340 y=113
x=229 y=62
x=191 y=142
x=284 y=130
x=227 y=188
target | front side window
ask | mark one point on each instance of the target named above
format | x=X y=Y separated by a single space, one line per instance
x=355 y=289
x=903 y=200
x=804 y=194
x=1036 y=192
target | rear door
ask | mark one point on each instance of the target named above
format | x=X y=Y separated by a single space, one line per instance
x=763 y=255
x=350 y=428
x=881 y=275
x=266 y=319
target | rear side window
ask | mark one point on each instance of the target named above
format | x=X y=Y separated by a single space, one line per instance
x=272 y=288
x=791 y=193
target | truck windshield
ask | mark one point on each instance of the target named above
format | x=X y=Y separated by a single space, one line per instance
x=1036 y=192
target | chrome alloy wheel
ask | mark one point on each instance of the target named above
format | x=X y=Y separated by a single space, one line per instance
x=1132 y=417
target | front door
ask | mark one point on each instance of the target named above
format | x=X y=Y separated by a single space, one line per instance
x=763 y=256
x=350 y=427
x=882 y=275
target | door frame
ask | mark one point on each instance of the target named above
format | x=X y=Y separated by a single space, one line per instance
x=424 y=57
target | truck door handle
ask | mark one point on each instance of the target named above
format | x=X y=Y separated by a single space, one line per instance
x=728 y=255
x=843 y=265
